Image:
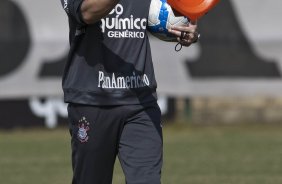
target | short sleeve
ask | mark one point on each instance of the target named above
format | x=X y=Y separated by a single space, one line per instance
x=72 y=8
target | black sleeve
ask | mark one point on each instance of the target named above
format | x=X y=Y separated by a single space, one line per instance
x=72 y=8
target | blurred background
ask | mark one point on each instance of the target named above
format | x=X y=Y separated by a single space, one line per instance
x=220 y=98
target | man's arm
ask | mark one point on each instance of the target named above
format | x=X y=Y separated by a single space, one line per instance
x=93 y=10
x=88 y=11
x=186 y=35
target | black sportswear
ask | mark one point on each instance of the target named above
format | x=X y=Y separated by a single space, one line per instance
x=133 y=132
x=110 y=61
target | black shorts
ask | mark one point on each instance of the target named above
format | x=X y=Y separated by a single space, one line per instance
x=100 y=133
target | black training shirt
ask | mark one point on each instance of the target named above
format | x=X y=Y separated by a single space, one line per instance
x=110 y=61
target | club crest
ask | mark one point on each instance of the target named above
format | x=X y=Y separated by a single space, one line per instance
x=83 y=128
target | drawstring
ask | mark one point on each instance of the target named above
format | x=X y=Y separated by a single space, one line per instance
x=178 y=47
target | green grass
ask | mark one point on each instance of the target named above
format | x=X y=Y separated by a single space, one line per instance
x=235 y=154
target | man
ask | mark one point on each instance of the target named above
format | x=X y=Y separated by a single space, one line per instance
x=110 y=86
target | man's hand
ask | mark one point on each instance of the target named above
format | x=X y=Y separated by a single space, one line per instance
x=186 y=35
x=93 y=10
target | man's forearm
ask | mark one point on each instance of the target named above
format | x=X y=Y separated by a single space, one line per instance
x=93 y=10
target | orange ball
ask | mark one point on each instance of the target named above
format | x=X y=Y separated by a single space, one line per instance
x=193 y=9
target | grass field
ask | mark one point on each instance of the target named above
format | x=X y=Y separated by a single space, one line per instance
x=237 y=154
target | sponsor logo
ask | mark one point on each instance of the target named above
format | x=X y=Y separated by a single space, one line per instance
x=123 y=27
x=83 y=128
x=66 y=8
x=113 y=81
